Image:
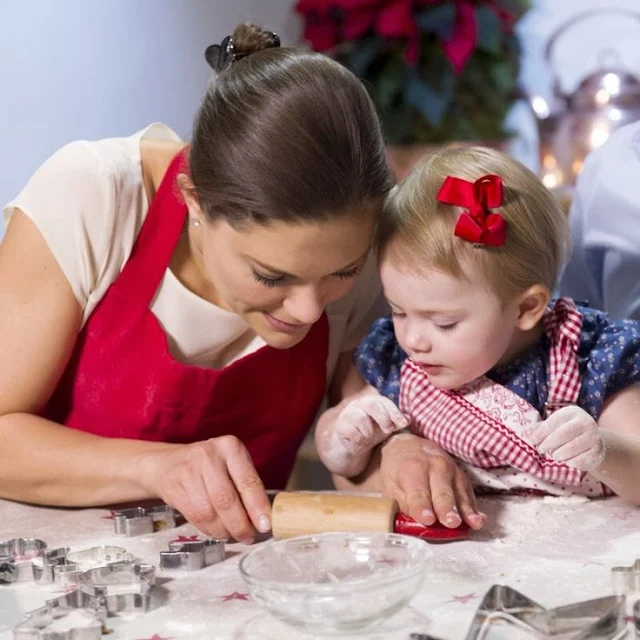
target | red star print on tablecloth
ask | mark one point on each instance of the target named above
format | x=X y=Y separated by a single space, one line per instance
x=155 y=636
x=235 y=596
x=463 y=599
x=111 y=516
x=187 y=539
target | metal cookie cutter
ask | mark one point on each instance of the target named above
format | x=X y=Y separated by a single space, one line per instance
x=119 y=588
x=505 y=607
x=139 y=521
x=73 y=616
x=626 y=580
x=192 y=555
x=65 y=568
x=16 y=556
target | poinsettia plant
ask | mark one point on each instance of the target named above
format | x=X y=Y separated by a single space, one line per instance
x=438 y=70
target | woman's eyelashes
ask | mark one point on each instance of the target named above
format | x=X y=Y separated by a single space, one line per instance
x=274 y=281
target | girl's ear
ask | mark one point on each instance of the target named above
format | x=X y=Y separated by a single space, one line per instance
x=532 y=304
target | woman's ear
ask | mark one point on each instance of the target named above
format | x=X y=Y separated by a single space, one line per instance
x=532 y=304
x=191 y=199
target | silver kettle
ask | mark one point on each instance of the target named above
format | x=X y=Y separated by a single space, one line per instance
x=572 y=125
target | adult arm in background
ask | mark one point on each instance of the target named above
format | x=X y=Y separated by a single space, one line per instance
x=604 y=268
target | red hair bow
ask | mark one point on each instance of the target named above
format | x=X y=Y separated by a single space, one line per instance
x=476 y=224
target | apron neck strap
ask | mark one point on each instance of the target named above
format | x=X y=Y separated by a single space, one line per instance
x=563 y=326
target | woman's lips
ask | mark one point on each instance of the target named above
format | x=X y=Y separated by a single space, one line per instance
x=284 y=327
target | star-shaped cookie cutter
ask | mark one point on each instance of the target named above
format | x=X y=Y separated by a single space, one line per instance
x=111 y=590
x=139 y=521
x=192 y=554
x=626 y=580
x=599 y=618
x=16 y=556
x=41 y=623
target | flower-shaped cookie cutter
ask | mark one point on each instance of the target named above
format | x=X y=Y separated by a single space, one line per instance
x=626 y=580
x=63 y=567
x=121 y=587
x=192 y=555
x=16 y=556
x=139 y=521
x=599 y=618
x=47 y=622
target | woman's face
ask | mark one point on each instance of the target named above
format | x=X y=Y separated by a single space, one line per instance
x=280 y=277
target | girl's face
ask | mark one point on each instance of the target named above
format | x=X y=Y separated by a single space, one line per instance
x=455 y=328
x=281 y=277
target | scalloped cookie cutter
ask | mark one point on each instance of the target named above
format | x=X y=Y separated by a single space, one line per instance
x=16 y=556
x=139 y=521
x=192 y=555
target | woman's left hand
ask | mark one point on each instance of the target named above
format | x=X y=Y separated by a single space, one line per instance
x=569 y=435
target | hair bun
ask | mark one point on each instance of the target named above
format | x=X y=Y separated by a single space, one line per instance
x=247 y=38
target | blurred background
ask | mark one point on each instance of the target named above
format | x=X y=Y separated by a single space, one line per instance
x=454 y=71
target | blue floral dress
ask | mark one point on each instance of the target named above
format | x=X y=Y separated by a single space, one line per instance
x=609 y=360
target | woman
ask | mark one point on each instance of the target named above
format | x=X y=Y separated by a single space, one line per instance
x=181 y=349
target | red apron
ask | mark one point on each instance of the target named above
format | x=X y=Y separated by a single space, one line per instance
x=123 y=382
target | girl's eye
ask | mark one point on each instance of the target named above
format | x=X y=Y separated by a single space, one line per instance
x=266 y=280
x=447 y=327
x=397 y=314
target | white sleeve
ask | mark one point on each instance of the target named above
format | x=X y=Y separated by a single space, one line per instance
x=71 y=200
x=605 y=267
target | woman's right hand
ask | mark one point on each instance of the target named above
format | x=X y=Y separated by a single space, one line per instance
x=427 y=483
x=213 y=484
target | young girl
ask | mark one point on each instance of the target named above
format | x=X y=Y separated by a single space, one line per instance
x=527 y=393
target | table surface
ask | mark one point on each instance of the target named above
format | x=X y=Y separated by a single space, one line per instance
x=554 y=550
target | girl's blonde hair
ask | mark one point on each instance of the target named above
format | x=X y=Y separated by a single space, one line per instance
x=418 y=229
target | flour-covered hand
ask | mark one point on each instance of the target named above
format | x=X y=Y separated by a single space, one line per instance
x=569 y=435
x=366 y=422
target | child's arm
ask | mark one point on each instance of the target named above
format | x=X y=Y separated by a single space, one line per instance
x=609 y=449
x=347 y=433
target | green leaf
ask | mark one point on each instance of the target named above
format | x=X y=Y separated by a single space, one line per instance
x=489 y=29
x=431 y=104
x=439 y=19
x=364 y=54
x=390 y=81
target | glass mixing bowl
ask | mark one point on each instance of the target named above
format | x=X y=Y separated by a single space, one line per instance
x=336 y=583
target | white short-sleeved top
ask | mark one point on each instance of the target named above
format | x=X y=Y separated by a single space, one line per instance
x=89 y=202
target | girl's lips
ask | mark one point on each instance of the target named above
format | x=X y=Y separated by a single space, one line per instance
x=284 y=327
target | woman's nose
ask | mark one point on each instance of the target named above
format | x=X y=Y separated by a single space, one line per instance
x=305 y=305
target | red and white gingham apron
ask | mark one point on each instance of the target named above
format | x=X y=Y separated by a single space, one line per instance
x=482 y=423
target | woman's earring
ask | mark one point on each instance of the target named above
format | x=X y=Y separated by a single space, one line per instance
x=195 y=222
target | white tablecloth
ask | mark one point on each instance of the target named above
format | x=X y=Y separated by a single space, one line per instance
x=554 y=550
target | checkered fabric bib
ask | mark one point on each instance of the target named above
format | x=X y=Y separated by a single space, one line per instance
x=482 y=423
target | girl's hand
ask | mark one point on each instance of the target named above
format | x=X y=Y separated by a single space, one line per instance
x=427 y=483
x=213 y=484
x=569 y=435
x=365 y=423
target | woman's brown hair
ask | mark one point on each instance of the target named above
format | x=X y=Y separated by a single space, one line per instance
x=285 y=134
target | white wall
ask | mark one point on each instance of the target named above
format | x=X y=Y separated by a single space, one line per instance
x=89 y=68
x=96 y=68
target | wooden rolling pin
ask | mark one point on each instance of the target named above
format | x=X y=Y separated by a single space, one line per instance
x=306 y=513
